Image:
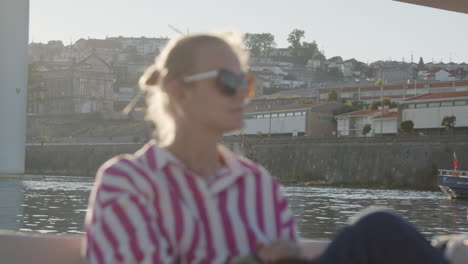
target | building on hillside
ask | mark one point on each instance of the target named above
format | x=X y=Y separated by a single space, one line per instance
x=264 y=101
x=347 y=69
x=123 y=96
x=385 y=124
x=274 y=78
x=427 y=112
x=395 y=92
x=106 y=49
x=439 y=75
x=281 y=52
x=393 y=71
x=352 y=124
x=142 y=45
x=314 y=120
x=84 y=87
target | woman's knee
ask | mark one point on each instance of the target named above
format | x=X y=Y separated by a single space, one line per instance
x=378 y=222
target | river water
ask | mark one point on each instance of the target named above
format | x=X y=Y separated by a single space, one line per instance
x=58 y=204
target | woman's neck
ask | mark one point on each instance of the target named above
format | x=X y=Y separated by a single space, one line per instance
x=197 y=150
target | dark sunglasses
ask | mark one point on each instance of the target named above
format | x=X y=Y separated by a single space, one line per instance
x=228 y=82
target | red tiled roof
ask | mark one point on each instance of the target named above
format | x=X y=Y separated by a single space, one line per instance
x=364 y=112
x=432 y=96
x=278 y=108
x=387 y=115
x=432 y=84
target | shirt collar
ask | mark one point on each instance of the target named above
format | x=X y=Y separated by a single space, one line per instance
x=160 y=158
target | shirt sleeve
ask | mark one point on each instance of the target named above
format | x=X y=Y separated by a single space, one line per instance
x=287 y=225
x=122 y=226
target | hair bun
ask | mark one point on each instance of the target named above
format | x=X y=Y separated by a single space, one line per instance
x=153 y=78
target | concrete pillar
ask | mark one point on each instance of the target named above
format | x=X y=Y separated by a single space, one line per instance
x=14 y=25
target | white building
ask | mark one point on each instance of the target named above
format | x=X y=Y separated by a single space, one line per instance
x=315 y=120
x=352 y=124
x=427 y=111
x=395 y=92
x=386 y=124
x=278 y=120
x=143 y=45
x=439 y=75
x=347 y=69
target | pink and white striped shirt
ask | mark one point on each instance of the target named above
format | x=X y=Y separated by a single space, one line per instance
x=150 y=208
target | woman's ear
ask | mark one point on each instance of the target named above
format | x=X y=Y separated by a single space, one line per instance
x=177 y=90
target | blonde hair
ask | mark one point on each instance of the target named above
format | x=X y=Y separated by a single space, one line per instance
x=176 y=60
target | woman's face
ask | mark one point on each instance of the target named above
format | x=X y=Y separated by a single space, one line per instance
x=205 y=105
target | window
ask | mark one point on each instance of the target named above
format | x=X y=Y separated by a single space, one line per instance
x=434 y=104
x=303 y=113
x=411 y=106
x=447 y=103
x=281 y=114
x=290 y=114
x=266 y=116
x=460 y=103
x=297 y=113
x=274 y=115
x=421 y=105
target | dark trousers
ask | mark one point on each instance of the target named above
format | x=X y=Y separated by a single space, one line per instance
x=380 y=237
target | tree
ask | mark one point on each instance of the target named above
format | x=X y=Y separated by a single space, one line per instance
x=449 y=122
x=267 y=41
x=407 y=126
x=295 y=39
x=366 y=129
x=421 y=63
x=309 y=49
x=252 y=44
x=379 y=82
x=259 y=43
x=332 y=96
x=386 y=102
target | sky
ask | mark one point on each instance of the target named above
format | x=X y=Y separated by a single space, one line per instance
x=367 y=30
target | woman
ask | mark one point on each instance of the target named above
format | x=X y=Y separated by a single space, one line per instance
x=183 y=198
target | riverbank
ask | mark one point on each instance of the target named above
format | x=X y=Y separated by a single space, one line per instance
x=403 y=163
x=331 y=184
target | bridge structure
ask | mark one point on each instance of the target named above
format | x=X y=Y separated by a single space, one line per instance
x=14 y=27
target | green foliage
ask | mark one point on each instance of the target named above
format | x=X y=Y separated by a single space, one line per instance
x=336 y=59
x=421 y=63
x=332 y=96
x=259 y=134
x=304 y=101
x=259 y=44
x=449 y=122
x=295 y=39
x=379 y=82
x=366 y=129
x=309 y=50
x=376 y=104
x=350 y=107
x=407 y=126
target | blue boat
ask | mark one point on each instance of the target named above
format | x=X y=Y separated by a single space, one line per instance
x=454 y=183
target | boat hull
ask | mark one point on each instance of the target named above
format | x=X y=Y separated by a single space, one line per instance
x=454 y=187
